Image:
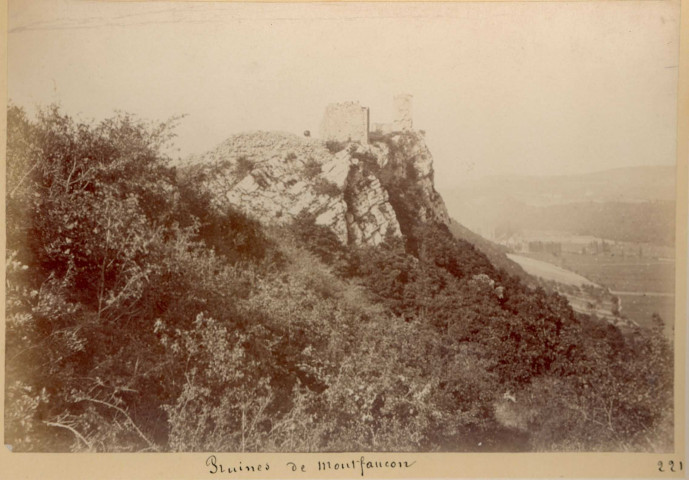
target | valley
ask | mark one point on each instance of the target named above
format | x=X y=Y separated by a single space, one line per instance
x=644 y=285
x=641 y=288
x=605 y=239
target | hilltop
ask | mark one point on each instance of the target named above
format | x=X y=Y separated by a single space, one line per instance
x=363 y=193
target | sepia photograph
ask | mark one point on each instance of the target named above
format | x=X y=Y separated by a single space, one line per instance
x=276 y=228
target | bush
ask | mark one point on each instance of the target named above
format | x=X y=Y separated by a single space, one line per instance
x=312 y=168
x=326 y=187
x=107 y=240
x=334 y=146
x=243 y=167
x=368 y=161
x=319 y=239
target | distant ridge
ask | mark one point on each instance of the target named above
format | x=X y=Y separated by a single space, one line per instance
x=609 y=202
x=643 y=183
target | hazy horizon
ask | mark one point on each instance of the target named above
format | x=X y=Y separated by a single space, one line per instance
x=556 y=175
x=500 y=88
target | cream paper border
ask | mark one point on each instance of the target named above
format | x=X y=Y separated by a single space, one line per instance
x=426 y=465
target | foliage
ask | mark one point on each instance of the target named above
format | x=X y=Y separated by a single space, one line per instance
x=243 y=167
x=334 y=146
x=142 y=317
x=312 y=168
x=319 y=239
x=396 y=142
x=368 y=161
x=323 y=186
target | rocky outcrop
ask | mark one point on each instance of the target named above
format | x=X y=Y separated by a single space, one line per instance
x=409 y=164
x=370 y=216
x=361 y=192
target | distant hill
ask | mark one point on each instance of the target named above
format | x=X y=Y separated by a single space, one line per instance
x=630 y=184
x=612 y=204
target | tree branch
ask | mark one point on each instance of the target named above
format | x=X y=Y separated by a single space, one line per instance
x=150 y=444
x=71 y=429
x=21 y=180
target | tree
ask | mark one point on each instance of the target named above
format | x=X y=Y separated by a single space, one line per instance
x=87 y=207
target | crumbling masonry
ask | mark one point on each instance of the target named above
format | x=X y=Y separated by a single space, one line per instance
x=349 y=121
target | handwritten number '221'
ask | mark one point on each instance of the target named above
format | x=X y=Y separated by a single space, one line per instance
x=671 y=466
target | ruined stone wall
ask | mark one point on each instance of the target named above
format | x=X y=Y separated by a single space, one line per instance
x=344 y=122
x=383 y=127
x=403 y=113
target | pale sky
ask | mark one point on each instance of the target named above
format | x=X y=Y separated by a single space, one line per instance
x=500 y=88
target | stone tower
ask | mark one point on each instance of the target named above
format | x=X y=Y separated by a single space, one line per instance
x=345 y=122
x=403 y=113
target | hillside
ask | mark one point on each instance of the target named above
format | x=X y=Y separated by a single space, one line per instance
x=583 y=296
x=154 y=308
x=497 y=254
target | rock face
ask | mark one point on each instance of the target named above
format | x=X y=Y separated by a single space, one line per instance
x=361 y=192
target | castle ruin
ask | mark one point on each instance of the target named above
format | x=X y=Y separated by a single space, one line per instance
x=349 y=121
x=403 y=115
x=345 y=122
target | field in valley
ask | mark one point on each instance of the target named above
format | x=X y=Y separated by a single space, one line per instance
x=548 y=270
x=628 y=274
x=641 y=308
x=644 y=285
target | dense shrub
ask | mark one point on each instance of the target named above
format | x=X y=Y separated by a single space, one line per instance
x=368 y=161
x=325 y=187
x=312 y=168
x=334 y=146
x=319 y=239
x=243 y=167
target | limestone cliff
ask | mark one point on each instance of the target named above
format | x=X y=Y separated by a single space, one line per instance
x=361 y=192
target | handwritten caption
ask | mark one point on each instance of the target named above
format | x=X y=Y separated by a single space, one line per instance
x=361 y=466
